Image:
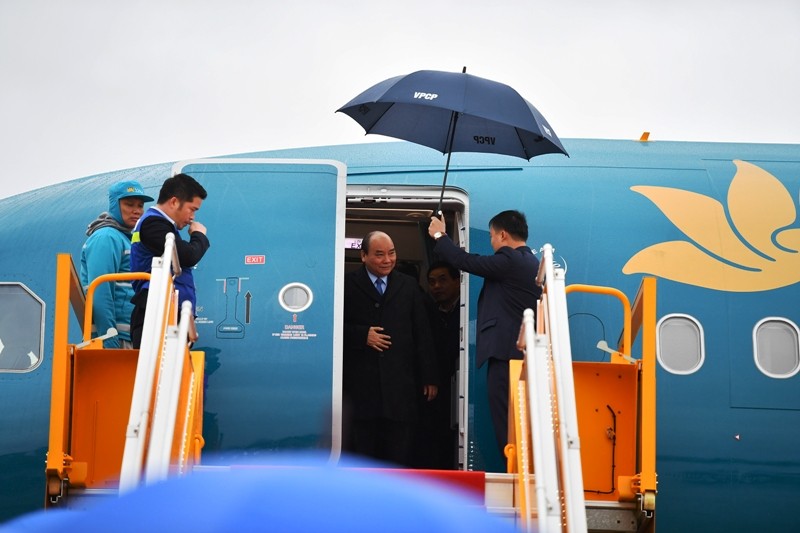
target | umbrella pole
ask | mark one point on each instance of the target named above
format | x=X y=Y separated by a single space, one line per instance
x=451 y=133
x=444 y=182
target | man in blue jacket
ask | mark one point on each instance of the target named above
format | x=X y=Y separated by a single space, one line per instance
x=179 y=199
x=107 y=251
x=509 y=287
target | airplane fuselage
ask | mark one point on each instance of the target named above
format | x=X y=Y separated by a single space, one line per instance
x=715 y=223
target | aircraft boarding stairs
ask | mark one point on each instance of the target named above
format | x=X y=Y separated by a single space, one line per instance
x=601 y=478
x=102 y=399
x=581 y=452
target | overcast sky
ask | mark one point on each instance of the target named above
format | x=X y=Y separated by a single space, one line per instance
x=89 y=86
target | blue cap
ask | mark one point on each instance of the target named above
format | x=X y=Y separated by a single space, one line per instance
x=126 y=189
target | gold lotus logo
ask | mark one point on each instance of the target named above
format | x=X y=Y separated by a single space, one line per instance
x=761 y=254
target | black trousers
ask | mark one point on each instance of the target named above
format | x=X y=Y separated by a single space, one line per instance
x=497 y=391
x=137 y=323
x=139 y=301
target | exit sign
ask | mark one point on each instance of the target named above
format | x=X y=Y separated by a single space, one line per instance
x=255 y=259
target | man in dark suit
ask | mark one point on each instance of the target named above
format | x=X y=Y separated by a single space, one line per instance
x=509 y=287
x=387 y=348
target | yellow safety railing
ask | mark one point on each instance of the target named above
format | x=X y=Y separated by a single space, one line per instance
x=124 y=276
x=625 y=346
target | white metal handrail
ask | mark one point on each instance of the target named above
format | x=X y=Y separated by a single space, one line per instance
x=155 y=321
x=553 y=410
x=542 y=426
x=167 y=398
x=568 y=440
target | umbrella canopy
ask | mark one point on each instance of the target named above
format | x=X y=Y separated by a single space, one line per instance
x=454 y=112
x=420 y=107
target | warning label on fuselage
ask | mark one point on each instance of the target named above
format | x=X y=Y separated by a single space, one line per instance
x=294 y=332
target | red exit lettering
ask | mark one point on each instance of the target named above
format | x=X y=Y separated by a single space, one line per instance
x=255 y=259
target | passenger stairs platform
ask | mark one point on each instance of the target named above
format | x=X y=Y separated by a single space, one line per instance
x=122 y=417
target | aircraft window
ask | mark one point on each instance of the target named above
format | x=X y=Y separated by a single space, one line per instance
x=680 y=344
x=295 y=297
x=21 y=328
x=776 y=347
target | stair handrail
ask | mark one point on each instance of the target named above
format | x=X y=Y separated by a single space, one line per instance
x=569 y=448
x=561 y=505
x=625 y=342
x=156 y=320
x=536 y=383
x=166 y=405
x=90 y=290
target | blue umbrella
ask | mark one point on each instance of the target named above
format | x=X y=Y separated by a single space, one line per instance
x=454 y=112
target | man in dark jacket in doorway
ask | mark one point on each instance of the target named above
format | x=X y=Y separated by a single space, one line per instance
x=509 y=287
x=387 y=348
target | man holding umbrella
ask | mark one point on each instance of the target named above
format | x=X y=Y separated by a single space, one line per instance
x=509 y=287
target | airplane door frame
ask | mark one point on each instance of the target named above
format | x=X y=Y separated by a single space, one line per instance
x=463 y=375
x=455 y=201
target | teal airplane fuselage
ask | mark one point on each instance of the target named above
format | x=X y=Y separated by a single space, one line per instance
x=715 y=223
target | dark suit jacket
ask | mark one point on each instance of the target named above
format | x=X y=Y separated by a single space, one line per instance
x=509 y=287
x=386 y=384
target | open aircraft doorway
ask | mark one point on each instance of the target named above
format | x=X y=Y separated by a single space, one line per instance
x=403 y=212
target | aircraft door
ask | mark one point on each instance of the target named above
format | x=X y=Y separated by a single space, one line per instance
x=269 y=304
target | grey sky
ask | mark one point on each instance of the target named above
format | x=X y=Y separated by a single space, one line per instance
x=89 y=86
